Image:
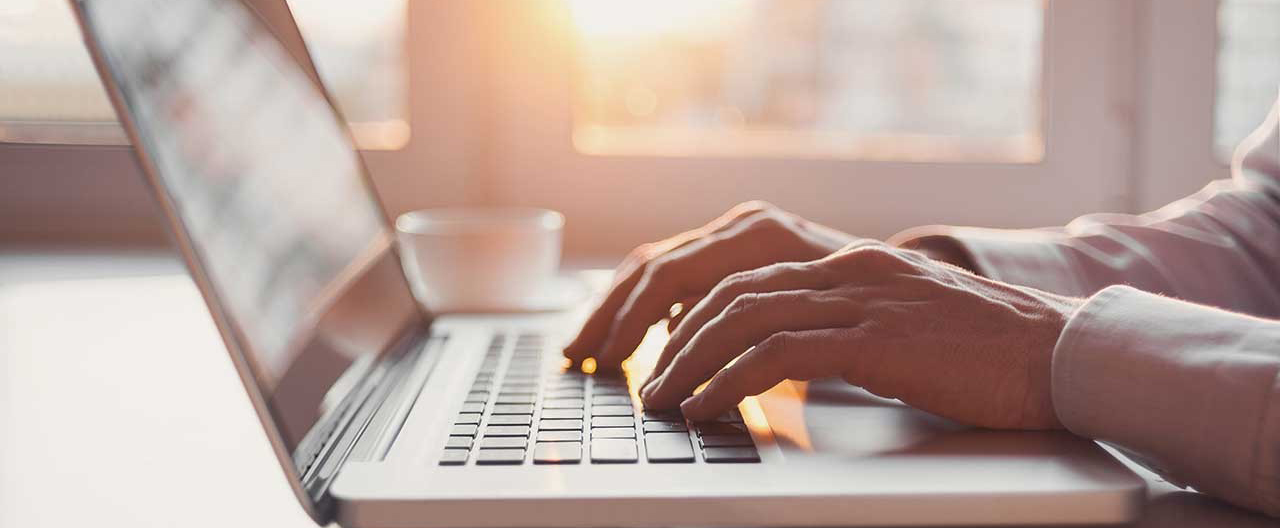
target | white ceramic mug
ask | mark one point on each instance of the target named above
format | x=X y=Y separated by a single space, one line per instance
x=479 y=259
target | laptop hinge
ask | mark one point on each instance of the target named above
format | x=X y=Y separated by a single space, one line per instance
x=357 y=411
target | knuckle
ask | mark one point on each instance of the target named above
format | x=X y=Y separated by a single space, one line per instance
x=878 y=258
x=751 y=206
x=741 y=304
x=737 y=281
x=659 y=270
x=639 y=253
x=775 y=346
x=768 y=223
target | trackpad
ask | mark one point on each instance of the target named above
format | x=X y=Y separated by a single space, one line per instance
x=832 y=418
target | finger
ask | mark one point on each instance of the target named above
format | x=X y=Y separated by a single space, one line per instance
x=775 y=277
x=674 y=276
x=596 y=328
x=786 y=355
x=690 y=270
x=748 y=320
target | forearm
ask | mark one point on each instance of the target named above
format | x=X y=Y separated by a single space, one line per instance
x=1217 y=247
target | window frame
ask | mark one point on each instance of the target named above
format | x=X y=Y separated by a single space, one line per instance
x=1175 y=153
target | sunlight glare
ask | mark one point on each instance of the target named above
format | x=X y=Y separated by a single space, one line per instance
x=629 y=18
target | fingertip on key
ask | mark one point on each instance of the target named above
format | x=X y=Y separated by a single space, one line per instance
x=689 y=408
x=646 y=392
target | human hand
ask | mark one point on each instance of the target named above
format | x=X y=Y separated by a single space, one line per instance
x=683 y=268
x=887 y=319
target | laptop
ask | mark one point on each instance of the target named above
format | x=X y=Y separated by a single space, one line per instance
x=384 y=414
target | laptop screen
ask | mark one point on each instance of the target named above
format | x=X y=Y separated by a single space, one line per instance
x=267 y=192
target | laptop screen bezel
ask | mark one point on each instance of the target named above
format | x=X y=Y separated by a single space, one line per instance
x=277 y=20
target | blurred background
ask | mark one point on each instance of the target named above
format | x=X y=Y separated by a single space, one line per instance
x=637 y=119
x=640 y=119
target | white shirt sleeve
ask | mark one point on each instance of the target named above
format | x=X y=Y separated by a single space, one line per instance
x=1188 y=389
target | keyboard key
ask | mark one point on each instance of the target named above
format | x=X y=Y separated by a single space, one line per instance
x=506 y=430
x=613 y=432
x=720 y=428
x=613 y=451
x=668 y=447
x=523 y=367
x=612 y=421
x=565 y=393
x=559 y=436
x=664 y=427
x=611 y=391
x=563 y=403
x=612 y=410
x=515 y=398
x=511 y=419
x=729 y=440
x=516 y=408
x=472 y=408
x=730 y=454
x=663 y=416
x=556 y=414
x=557 y=453
x=560 y=425
x=610 y=381
x=463 y=430
x=568 y=378
x=454 y=457
x=521 y=392
x=467 y=418
x=477 y=397
x=490 y=457
x=501 y=442
x=611 y=400
x=458 y=442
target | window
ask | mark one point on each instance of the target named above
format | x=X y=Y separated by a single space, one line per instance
x=640 y=119
x=1248 y=68
x=50 y=93
x=865 y=79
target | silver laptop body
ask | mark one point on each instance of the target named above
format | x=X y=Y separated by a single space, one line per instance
x=383 y=414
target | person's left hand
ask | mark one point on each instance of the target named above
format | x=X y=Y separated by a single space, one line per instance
x=887 y=319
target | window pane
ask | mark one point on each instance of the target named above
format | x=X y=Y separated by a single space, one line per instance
x=49 y=91
x=359 y=49
x=910 y=79
x=1248 y=68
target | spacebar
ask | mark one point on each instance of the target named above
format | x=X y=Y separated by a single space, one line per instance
x=668 y=447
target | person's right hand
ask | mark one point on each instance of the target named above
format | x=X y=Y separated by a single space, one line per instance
x=683 y=268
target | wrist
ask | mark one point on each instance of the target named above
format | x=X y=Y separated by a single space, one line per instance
x=1058 y=312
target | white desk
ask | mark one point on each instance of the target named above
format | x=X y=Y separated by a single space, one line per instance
x=118 y=407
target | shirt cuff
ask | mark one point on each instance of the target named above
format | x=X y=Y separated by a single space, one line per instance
x=1028 y=257
x=1189 y=390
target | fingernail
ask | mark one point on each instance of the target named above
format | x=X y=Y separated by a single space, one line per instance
x=648 y=381
x=646 y=391
x=687 y=405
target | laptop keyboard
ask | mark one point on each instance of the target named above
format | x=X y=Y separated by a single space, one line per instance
x=522 y=407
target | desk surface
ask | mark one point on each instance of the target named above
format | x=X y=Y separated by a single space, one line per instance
x=105 y=421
